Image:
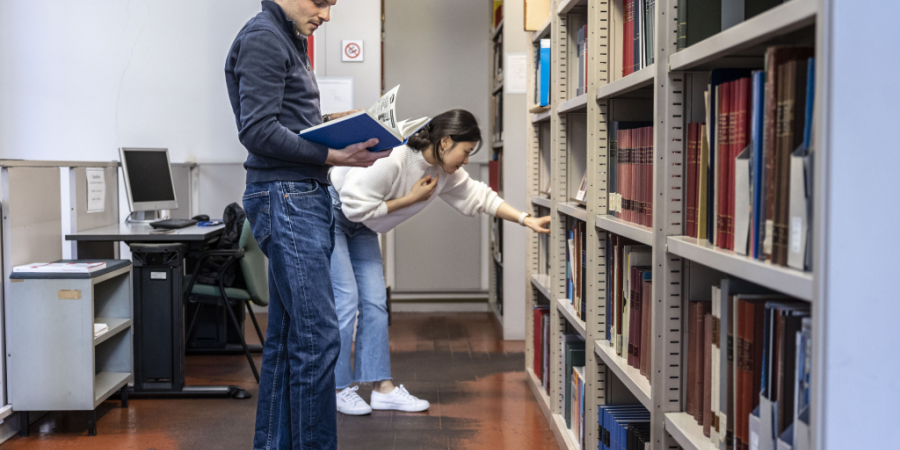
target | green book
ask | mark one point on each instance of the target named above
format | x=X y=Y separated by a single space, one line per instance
x=574 y=358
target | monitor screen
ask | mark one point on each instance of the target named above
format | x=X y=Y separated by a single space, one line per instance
x=148 y=176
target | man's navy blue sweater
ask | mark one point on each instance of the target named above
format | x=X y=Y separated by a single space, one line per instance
x=274 y=96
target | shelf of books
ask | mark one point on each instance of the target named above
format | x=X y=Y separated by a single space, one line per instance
x=674 y=157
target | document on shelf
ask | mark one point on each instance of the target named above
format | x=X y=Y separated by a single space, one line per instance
x=100 y=329
x=379 y=121
x=61 y=267
x=96 y=190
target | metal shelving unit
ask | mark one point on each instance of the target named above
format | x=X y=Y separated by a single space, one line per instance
x=659 y=92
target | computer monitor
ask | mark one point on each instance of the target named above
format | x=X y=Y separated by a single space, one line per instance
x=148 y=179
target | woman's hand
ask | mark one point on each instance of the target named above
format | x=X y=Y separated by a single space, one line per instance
x=538 y=224
x=423 y=189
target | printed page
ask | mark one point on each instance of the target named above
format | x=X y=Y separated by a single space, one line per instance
x=384 y=110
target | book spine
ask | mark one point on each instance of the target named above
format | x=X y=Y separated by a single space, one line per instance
x=723 y=129
x=628 y=38
x=789 y=136
x=767 y=211
x=691 y=220
x=707 y=374
x=740 y=133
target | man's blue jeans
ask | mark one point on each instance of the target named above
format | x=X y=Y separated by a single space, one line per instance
x=357 y=273
x=294 y=226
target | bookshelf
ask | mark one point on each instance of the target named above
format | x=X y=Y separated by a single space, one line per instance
x=506 y=146
x=569 y=137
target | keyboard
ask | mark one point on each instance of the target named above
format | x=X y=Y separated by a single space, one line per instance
x=171 y=224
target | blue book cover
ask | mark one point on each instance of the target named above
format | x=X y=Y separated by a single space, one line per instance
x=756 y=156
x=361 y=127
x=810 y=96
x=545 y=72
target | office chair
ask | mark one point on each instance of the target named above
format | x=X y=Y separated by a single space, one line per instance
x=253 y=268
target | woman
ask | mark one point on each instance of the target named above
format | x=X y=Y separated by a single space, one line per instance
x=375 y=200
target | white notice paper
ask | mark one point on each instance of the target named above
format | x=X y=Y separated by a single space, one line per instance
x=335 y=94
x=96 y=190
x=515 y=73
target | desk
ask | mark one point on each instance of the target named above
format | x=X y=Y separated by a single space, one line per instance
x=160 y=348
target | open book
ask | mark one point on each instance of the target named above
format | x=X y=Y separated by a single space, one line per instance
x=379 y=121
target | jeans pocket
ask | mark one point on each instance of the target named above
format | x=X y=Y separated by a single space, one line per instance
x=256 y=206
x=304 y=187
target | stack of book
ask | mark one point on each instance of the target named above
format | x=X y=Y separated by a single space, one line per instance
x=542 y=73
x=749 y=168
x=700 y=19
x=542 y=345
x=631 y=172
x=623 y=427
x=628 y=301
x=638 y=35
x=61 y=267
x=576 y=256
x=748 y=350
x=582 y=52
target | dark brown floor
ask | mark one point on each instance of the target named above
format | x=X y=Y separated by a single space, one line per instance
x=458 y=362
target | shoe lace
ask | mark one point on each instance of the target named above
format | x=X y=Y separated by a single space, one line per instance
x=402 y=392
x=350 y=395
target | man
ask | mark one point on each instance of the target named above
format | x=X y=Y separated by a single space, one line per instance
x=274 y=96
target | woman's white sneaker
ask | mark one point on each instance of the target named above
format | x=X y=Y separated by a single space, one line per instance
x=350 y=403
x=399 y=399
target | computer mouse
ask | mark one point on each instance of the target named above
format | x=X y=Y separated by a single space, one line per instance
x=201 y=218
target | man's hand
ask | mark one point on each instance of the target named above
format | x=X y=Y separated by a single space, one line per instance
x=356 y=155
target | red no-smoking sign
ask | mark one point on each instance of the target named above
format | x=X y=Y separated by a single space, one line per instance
x=352 y=51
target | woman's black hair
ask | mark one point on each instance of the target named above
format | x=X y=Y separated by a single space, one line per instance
x=459 y=124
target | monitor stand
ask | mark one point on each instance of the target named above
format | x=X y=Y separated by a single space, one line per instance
x=144 y=217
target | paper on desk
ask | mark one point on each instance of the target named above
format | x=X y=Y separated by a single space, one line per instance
x=96 y=190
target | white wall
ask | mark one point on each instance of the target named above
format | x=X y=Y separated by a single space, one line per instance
x=859 y=389
x=437 y=51
x=80 y=79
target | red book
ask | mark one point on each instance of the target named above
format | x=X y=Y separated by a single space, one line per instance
x=620 y=166
x=626 y=194
x=494 y=175
x=639 y=168
x=538 y=338
x=749 y=348
x=691 y=190
x=628 y=38
x=696 y=356
x=739 y=141
x=707 y=373
x=723 y=141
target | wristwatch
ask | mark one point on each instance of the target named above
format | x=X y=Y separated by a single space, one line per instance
x=522 y=218
x=326 y=117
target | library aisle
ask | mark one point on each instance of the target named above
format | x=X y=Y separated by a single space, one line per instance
x=458 y=362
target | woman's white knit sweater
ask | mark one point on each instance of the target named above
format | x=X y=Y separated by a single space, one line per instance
x=365 y=191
